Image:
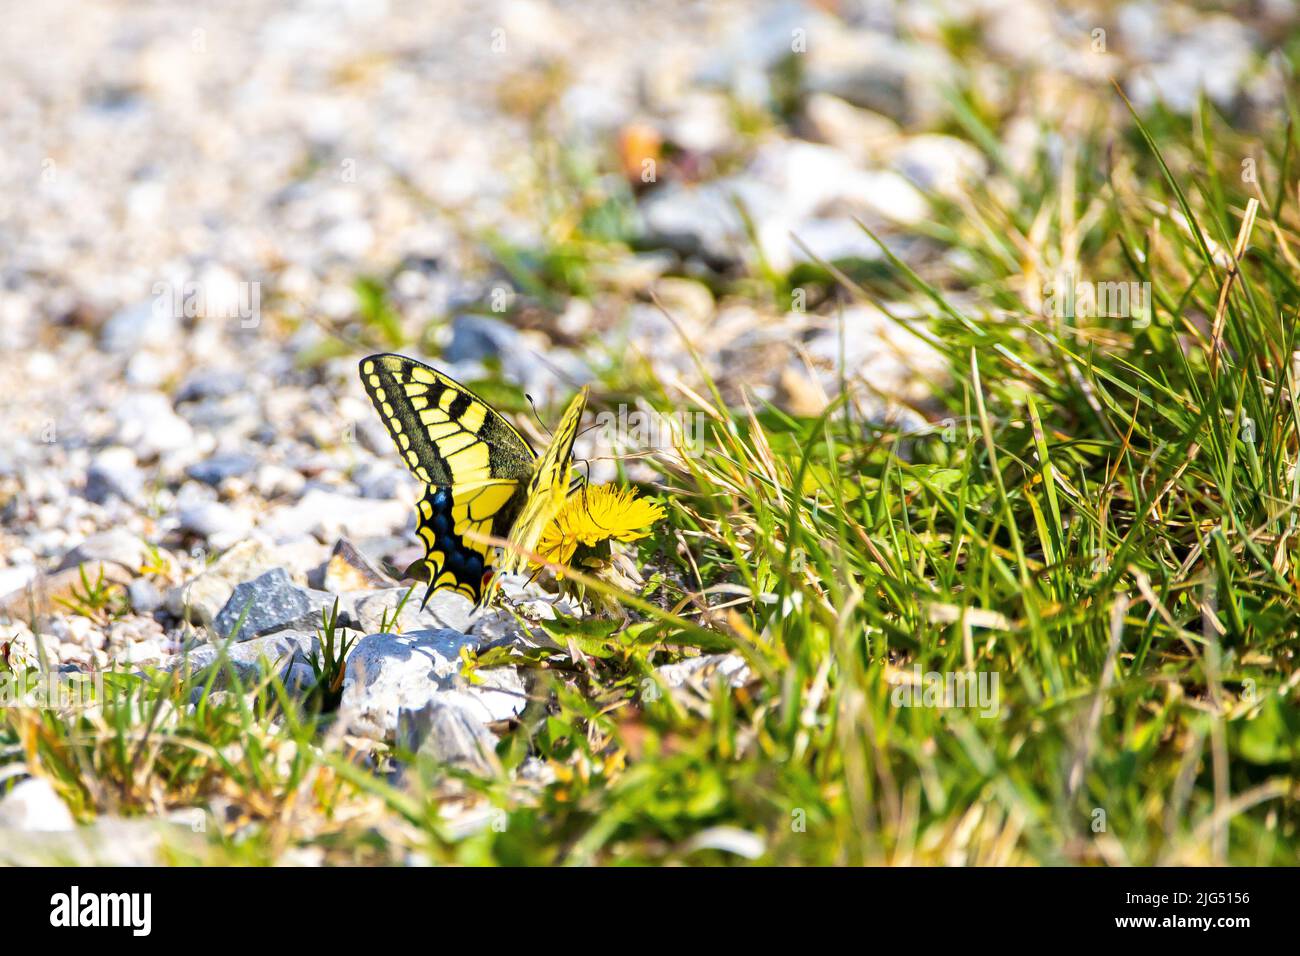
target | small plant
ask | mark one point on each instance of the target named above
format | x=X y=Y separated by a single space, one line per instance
x=329 y=664
x=393 y=625
x=100 y=601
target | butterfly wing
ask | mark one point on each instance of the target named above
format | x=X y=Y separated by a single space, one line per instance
x=475 y=467
x=548 y=487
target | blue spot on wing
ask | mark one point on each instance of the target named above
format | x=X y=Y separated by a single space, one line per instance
x=464 y=563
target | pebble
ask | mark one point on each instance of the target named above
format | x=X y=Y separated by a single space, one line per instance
x=478 y=337
x=142 y=652
x=210 y=383
x=448 y=733
x=731 y=668
x=221 y=524
x=863 y=135
x=272 y=602
x=215 y=470
x=139 y=325
x=349 y=570
x=377 y=479
x=145 y=597
x=942 y=164
x=114 y=471
x=147 y=423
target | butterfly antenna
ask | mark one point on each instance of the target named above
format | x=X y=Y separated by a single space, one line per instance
x=580 y=482
x=533 y=405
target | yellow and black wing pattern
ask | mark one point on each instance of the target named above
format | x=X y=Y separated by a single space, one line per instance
x=548 y=487
x=477 y=470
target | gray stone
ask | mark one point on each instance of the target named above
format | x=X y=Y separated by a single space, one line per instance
x=145 y=598
x=877 y=349
x=448 y=733
x=214 y=470
x=298 y=678
x=273 y=603
x=388 y=673
x=526 y=357
x=378 y=479
x=210 y=384
x=478 y=337
x=879 y=72
x=113 y=472
x=786 y=184
x=1214 y=57
x=202 y=597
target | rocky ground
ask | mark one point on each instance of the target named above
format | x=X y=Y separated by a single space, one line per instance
x=209 y=217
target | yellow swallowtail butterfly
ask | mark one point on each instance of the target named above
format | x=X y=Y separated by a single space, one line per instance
x=479 y=473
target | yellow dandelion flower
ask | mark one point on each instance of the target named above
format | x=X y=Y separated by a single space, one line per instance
x=595 y=516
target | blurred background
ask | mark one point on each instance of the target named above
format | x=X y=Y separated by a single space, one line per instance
x=211 y=212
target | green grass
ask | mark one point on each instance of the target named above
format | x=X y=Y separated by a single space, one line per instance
x=1103 y=516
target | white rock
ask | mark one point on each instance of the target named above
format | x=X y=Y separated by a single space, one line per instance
x=387 y=673
x=222 y=525
x=144 y=651
x=728 y=667
x=15 y=579
x=33 y=806
x=147 y=423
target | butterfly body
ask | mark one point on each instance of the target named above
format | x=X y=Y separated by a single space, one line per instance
x=482 y=478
